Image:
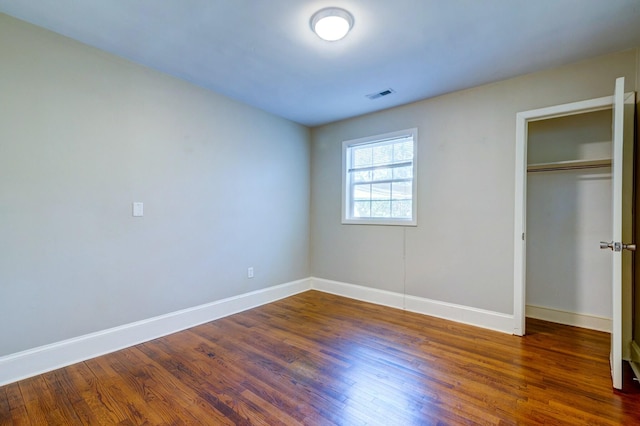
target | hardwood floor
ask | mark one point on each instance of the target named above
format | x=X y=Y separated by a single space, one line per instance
x=319 y=359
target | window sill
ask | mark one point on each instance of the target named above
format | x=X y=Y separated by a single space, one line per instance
x=380 y=222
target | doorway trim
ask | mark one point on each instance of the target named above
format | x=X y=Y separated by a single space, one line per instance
x=520 y=211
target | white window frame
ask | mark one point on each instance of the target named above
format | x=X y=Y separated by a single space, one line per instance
x=347 y=202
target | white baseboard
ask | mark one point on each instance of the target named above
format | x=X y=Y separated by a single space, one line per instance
x=463 y=314
x=45 y=358
x=359 y=292
x=491 y=320
x=569 y=318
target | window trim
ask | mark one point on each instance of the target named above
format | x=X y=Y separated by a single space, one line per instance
x=346 y=200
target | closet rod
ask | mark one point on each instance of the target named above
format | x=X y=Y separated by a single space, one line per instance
x=568 y=165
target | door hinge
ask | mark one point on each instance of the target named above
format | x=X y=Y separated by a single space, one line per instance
x=523 y=236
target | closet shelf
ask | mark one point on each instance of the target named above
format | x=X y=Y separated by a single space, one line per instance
x=569 y=165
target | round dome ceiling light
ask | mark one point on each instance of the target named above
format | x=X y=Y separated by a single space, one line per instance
x=332 y=23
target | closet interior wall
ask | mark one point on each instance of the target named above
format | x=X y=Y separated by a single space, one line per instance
x=568 y=212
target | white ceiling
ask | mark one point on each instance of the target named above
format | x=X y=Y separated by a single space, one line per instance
x=263 y=53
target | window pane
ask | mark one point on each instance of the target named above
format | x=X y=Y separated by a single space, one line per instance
x=362 y=192
x=383 y=154
x=361 y=176
x=362 y=157
x=401 y=209
x=403 y=172
x=403 y=151
x=402 y=191
x=362 y=209
x=381 y=209
x=381 y=191
x=382 y=174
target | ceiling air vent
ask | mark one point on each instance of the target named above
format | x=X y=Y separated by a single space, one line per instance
x=386 y=92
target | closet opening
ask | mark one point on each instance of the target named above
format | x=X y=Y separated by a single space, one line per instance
x=568 y=211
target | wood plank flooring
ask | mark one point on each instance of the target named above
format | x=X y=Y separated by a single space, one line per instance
x=319 y=359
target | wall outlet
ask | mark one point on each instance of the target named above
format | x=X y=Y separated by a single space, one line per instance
x=250 y=272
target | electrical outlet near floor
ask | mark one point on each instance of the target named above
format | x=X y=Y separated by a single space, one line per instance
x=250 y=272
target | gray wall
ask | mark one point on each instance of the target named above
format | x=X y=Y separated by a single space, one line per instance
x=462 y=249
x=83 y=134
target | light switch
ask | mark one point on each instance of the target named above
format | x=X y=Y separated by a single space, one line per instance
x=138 y=209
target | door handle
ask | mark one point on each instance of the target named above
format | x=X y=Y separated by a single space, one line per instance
x=617 y=246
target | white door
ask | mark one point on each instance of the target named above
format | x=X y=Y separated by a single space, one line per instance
x=616 y=245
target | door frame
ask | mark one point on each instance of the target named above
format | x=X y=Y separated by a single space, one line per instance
x=520 y=211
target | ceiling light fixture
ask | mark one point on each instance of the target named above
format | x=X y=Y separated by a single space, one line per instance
x=332 y=23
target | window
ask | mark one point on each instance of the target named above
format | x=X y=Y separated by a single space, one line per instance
x=378 y=179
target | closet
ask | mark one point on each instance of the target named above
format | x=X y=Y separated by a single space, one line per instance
x=568 y=211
